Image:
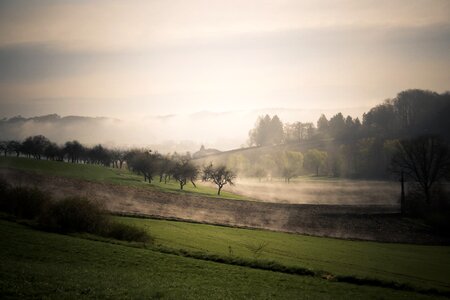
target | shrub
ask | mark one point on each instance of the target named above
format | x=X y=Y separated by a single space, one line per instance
x=81 y=215
x=23 y=202
x=69 y=215
x=74 y=215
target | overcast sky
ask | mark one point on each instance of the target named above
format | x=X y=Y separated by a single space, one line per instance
x=147 y=58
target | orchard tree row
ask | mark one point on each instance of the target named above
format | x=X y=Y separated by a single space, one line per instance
x=144 y=162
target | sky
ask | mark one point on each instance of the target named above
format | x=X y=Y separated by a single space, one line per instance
x=136 y=60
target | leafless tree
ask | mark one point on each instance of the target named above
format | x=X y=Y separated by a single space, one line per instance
x=219 y=175
x=425 y=160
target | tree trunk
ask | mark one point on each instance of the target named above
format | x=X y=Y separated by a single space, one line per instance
x=402 y=199
x=218 y=191
x=193 y=183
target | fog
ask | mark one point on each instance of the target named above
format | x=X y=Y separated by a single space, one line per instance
x=344 y=192
x=163 y=133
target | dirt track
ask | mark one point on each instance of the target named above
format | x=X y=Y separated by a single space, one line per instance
x=376 y=223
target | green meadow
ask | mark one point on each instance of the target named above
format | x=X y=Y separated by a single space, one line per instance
x=103 y=174
x=38 y=264
x=421 y=266
x=44 y=265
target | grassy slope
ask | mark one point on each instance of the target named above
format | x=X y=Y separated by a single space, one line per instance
x=45 y=265
x=422 y=266
x=107 y=175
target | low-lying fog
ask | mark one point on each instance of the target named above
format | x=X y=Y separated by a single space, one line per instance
x=343 y=192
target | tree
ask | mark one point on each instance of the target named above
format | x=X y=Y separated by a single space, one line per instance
x=14 y=146
x=314 y=159
x=219 y=175
x=52 y=151
x=4 y=147
x=74 y=151
x=100 y=155
x=322 y=124
x=35 y=145
x=267 y=131
x=425 y=159
x=290 y=164
x=183 y=171
x=276 y=132
x=337 y=126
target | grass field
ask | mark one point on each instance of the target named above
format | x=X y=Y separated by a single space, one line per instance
x=422 y=266
x=38 y=264
x=44 y=265
x=107 y=175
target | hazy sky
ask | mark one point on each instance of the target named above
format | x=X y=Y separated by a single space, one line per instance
x=146 y=58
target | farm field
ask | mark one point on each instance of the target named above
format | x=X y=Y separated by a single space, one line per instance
x=422 y=266
x=44 y=265
x=124 y=192
x=321 y=190
x=303 y=190
x=103 y=174
x=419 y=266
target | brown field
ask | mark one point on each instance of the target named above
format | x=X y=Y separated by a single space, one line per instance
x=377 y=222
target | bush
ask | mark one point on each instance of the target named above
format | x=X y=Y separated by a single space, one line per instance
x=69 y=215
x=81 y=215
x=126 y=232
x=23 y=202
x=73 y=215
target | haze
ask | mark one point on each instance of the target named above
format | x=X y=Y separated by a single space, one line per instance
x=195 y=60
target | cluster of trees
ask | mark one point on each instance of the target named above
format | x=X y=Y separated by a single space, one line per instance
x=364 y=149
x=410 y=114
x=277 y=163
x=144 y=162
x=268 y=131
x=39 y=147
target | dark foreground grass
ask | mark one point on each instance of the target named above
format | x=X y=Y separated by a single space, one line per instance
x=45 y=265
x=99 y=173
x=424 y=267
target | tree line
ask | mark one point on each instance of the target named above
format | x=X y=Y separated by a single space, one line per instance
x=411 y=113
x=149 y=164
x=361 y=149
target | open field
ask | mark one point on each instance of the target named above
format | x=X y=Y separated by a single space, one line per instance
x=45 y=265
x=311 y=190
x=422 y=266
x=303 y=190
x=103 y=174
x=123 y=192
x=57 y=266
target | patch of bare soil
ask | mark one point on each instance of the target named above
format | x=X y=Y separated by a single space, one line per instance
x=374 y=223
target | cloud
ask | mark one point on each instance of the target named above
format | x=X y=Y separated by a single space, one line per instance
x=157 y=57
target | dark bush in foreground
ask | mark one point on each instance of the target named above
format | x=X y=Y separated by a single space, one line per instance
x=73 y=215
x=126 y=232
x=81 y=215
x=23 y=202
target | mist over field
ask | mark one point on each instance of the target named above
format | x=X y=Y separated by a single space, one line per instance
x=164 y=133
x=224 y=149
x=341 y=192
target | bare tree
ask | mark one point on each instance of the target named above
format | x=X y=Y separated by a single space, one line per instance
x=425 y=160
x=183 y=171
x=14 y=146
x=219 y=175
